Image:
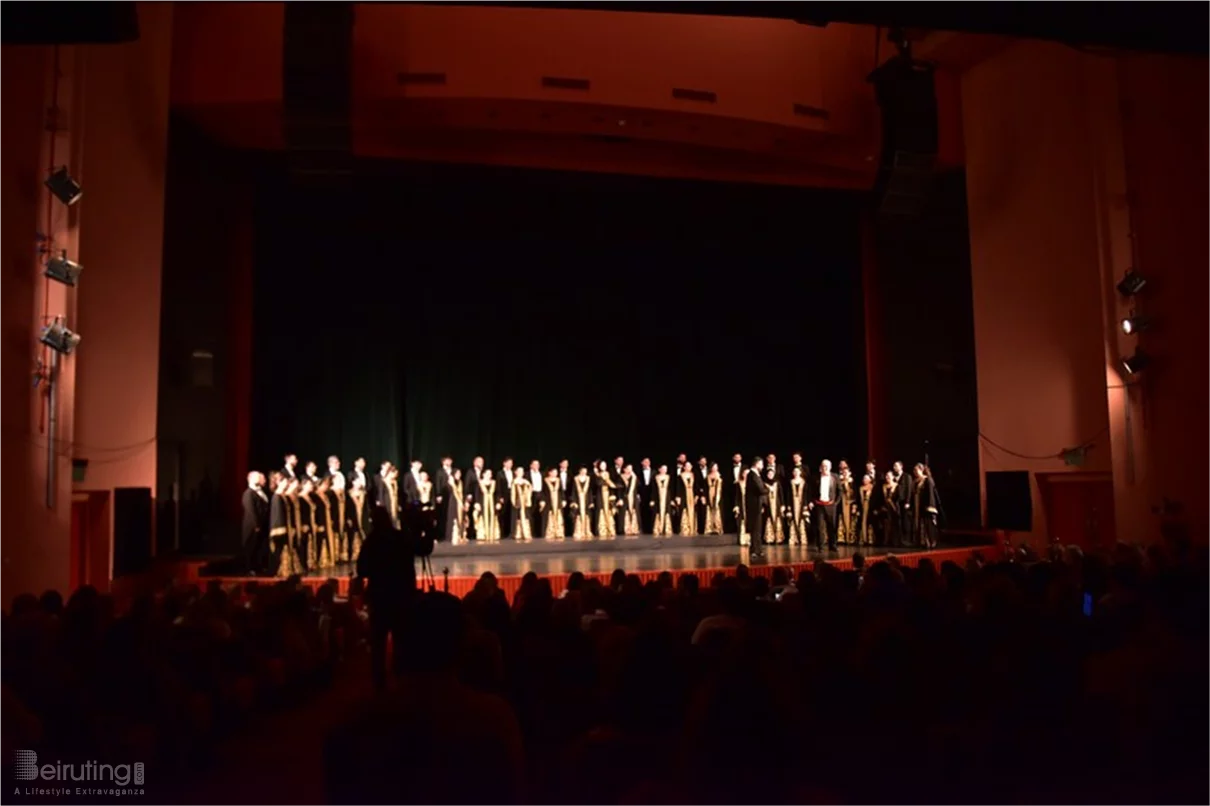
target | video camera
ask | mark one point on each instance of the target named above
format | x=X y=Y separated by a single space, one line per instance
x=418 y=523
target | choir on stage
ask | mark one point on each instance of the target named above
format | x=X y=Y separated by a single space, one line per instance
x=316 y=522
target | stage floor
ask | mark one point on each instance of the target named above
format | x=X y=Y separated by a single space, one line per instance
x=634 y=554
x=642 y=555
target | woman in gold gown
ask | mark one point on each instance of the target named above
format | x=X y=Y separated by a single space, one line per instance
x=714 y=501
x=311 y=526
x=846 y=507
x=661 y=502
x=424 y=491
x=356 y=514
x=551 y=504
x=581 y=506
x=797 y=519
x=745 y=539
x=283 y=526
x=338 y=508
x=606 y=500
x=523 y=505
x=865 y=511
x=686 y=500
x=487 y=510
x=773 y=526
x=455 y=514
x=630 y=502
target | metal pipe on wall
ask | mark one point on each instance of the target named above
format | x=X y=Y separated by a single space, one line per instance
x=52 y=421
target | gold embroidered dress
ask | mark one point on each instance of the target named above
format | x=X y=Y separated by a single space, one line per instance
x=581 y=528
x=487 y=521
x=523 y=502
x=846 y=500
x=865 y=511
x=456 y=527
x=554 y=510
x=797 y=513
x=357 y=519
x=714 y=504
x=606 y=529
x=741 y=519
x=773 y=527
x=662 y=526
x=630 y=521
x=688 y=505
x=338 y=505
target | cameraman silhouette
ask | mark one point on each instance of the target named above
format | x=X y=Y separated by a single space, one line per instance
x=388 y=564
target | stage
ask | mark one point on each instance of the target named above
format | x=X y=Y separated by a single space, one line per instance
x=645 y=556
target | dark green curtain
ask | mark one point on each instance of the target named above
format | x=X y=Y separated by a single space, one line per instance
x=327 y=360
x=543 y=316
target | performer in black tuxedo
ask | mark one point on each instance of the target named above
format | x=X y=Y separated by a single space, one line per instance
x=826 y=495
x=615 y=475
x=411 y=483
x=924 y=507
x=470 y=488
x=565 y=487
x=379 y=492
x=442 y=488
x=905 y=491
x=700 y=484
x=335 y=472
x=733 y=480
x=255 y=527
x=646 y=477
x=358 y=474
x=756 y=505
x=504 y=490
x=291 y=462
x=779 y=472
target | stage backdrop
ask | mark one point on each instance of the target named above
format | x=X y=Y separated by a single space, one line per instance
x=448 y=309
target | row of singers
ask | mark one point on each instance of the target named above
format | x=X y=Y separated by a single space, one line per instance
x=486 y=505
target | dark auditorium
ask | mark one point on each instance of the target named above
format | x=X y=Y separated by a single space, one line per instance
x=605 y=402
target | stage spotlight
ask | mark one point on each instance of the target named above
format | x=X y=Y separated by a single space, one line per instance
x=1131 y=284
x=62 y=270
x=1136 y=363
x=58 y=338
x=66 y=189
x=1135 y=324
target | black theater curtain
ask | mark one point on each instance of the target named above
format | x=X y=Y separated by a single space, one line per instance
x=328 y=374
x=465 y=311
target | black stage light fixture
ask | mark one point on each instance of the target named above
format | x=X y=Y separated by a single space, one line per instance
x=1136 y=363
x=57 y=337
x=62 y=270
x=66 y=189
x=1131 y=284
x=1135 y=324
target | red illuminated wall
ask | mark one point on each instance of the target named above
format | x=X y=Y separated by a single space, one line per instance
x=122 y=238
x=112 y=136
x=491 y=105
x=1059 y=179
x=36 y=536
x=1165 y=136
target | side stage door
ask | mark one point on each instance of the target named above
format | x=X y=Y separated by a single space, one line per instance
x=91 y=550
x=1079 y=508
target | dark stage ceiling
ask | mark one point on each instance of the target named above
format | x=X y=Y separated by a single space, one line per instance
x=1157 y=26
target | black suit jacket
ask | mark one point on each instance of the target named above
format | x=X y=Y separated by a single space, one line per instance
x=813 y=487
x=644 y=490
x=256 y=513
x=352 y=475
x=441 y=487
x=380 y=496
x=756 y=489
